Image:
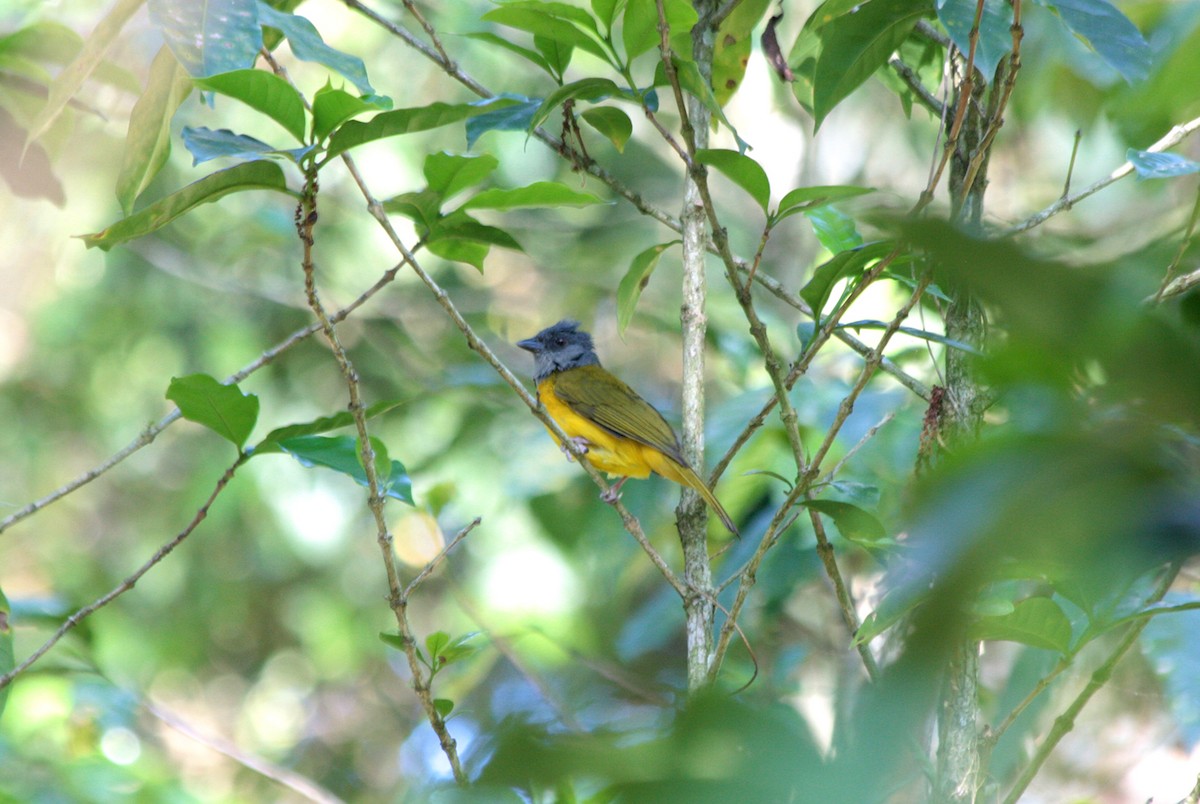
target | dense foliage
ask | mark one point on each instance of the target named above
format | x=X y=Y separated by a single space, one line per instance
x=277 y=509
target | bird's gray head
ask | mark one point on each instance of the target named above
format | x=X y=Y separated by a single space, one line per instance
x=560 y=347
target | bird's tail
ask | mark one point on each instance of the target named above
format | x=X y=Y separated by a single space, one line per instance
x=690 y=478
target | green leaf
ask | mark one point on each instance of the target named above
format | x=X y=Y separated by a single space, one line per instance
x=640 y=32
x=894 y=607
x=459 y=649
x=587 y=89
x=741 y=170
x=500 y=41
x=606 y=11
x=422 y=206
x=308 y=45
x=914 y=332
x=71 y=78
x=634 y=281
x=1036 y=621
x=538 y=194
x=556 y=54
x=732 y=46
x=857 y=44
x=803 y=199
x=393 y=640
x=471 y=252
x=535 y=18
x=434 y=644
x=692 y=81
x=259 y=175
x=1110 y=33
x=332 y=107
x=508 y=118
x=324 y=424
x=205 y=144
x=341 y=454
x=406 y=121
x=444 y=707
x=212 y=37
x=854 y=523
x=224 y=409
x=1155 y=165
x=995 y=36
x=264 y=92
x=8 y=660
x=834 y=229
x=148 y=140
x=448 y=174
x=851 y=262
x=612 y=123
x=806 y=50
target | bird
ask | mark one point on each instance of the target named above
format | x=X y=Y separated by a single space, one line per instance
x=619 y=432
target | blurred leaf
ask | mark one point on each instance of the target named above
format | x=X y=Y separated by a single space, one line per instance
x=460 y=226
x=434 y=644
x=1110 y=33
x=405 y=121
x=448 y=174
x=28 y=174
x=422 y=206
x=72 y=77
x=341 y=454
x=1036 y=621
x=995 y=37
x=259 y=175
x=834 y=229
x=732 y=45
x=538 y=194
x=556 y=21
x=270 y=442
x=216 y=36
x=224 y=409
x=741 y=170
x=264 y=92
x=640 y=31
x=205 y=144
x=1171 y=645
x=471 y=252
x=308 y=45
x=804 y=198
x=393 y=640
x=148 y=140
x=508 y=118
x=611 y=122
x=332 y=107
x=854 y=523
x=849 y=263
x=444 y=706
x=459 y=648
x=914 y=332
x=855 y=45
x=7 y=658
x=635 y=281
x=1155 y=165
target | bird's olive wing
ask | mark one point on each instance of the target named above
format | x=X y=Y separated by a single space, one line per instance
x=593 y=392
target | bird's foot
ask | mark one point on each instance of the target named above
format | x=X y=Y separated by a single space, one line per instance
x=579 y=443
x=614 y=492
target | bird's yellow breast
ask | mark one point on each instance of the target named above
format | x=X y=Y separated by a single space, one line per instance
x=607 y=451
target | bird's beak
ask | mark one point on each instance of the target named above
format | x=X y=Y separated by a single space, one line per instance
x=529 y=345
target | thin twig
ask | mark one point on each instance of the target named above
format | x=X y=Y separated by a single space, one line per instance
x=1176 y=135
x=1071 y=165
x=297 y=783
x=913 y=82
x=429 y=568
x=841 y=593
x=127 y=584
x=1173 y=268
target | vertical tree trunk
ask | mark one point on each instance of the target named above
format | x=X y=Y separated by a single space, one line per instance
x=958 y=760
x=697 y=570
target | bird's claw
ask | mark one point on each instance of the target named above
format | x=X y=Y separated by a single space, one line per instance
x=611 y=495
x=579 y=443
